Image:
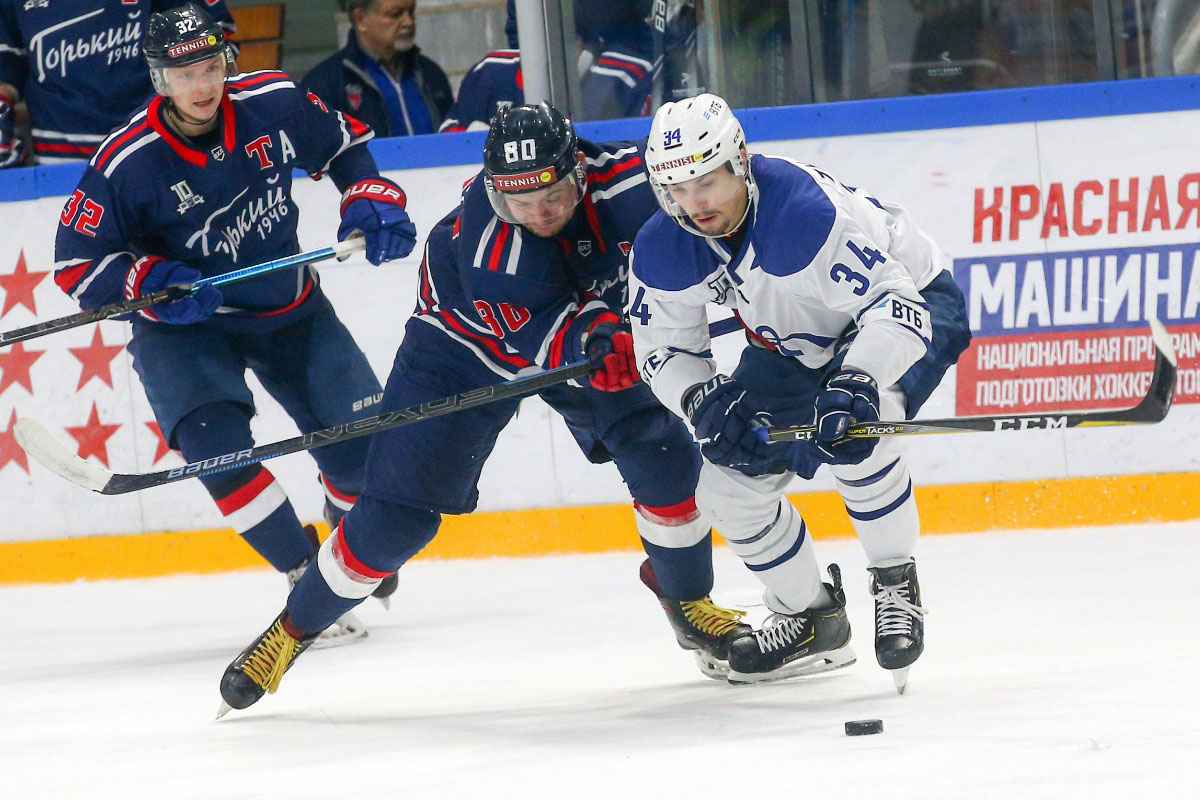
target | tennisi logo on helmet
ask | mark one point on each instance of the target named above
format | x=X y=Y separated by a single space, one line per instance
x=525 y=181
x=183 y=49
x=660 y=166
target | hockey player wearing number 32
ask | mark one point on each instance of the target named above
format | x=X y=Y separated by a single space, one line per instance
x=199 y=183
x=851 y=316
x=527 y=273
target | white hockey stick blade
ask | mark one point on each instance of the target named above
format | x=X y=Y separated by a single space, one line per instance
x=344 y=249
x=36 y=440
x=1162 y=340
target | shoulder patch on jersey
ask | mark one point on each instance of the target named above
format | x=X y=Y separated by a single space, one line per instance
x=794 y=216
x=669 y=258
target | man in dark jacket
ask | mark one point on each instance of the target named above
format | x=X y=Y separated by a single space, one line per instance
x=380 y=76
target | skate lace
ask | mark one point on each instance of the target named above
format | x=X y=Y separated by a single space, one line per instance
x=270 y=659
x=711 y=618
x=896 y=611
x=780 y=631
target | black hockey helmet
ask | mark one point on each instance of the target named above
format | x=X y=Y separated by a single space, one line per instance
x=528 y=148
x=181 y=36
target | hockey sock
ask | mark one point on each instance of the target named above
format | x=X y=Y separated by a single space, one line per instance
x=679 y=542
x=252 y=502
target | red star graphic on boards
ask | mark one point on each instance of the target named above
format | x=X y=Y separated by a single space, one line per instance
x=15 y=362
x=18 y=286
x=93 y=436
x=163 y=448
x=96 y=358
x=10 y=451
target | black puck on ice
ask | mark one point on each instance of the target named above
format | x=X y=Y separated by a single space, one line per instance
x=862 y=727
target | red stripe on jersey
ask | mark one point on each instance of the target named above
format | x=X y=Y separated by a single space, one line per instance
x=452 y=129
x=520 y=79
x=498 y=247
x=64 y=147
x=556 y=346
x=427 y=285
x=678 y=514
x=357 y=127
x=68 y=278
x=589 y=209
x=230 y=133
x=120 y=141
x=308 y=285
x=628 y=66
x=511 y=55
x=255 y=80
x=342 y=554
x=491 y=345
x=616 y=169
x=336 y=493
x=188 y=154
x=240 y=498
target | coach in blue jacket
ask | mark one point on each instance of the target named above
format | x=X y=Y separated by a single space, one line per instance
x=380 y=76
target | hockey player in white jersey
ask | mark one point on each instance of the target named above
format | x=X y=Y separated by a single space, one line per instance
x=851 y=316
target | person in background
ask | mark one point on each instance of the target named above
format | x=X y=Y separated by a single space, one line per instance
x=380 y=77
x=78 y=67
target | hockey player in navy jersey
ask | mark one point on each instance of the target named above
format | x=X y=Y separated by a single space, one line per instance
x=78 y=66
x=527 y=273
x=852 y=316
x=198 y=183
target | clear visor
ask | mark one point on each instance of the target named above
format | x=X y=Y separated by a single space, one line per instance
x=709 y=205
x=539 y=208
x=207 y=73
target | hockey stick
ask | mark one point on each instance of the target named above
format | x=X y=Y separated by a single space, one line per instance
x=1152 y=408
x=40 y=443
x=175 y=292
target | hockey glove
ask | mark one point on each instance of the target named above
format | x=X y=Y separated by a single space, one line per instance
x=374 y=207
x=609 y=345
x=850 y=397
x=151 y=273
x=728 y=422
x=12 y=149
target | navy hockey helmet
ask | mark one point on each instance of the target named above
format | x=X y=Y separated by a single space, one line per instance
x=528 y=148
x=182 y=36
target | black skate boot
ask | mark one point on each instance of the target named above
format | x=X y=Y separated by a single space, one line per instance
x=387 y=587
x=790 y=645
x=899 y=618
x=701 y=626
x=260 y=667
x=348 y=627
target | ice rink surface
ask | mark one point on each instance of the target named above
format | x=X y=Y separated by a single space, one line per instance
x=1058 y=665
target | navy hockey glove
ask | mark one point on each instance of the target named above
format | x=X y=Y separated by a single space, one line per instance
x=374 y=207
x=609 y=345
x=730 y=425
x=850 y=397
x=151 y=273
x=12 y=149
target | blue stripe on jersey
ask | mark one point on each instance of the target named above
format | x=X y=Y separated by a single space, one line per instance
x=792 y=218
x=667 y=257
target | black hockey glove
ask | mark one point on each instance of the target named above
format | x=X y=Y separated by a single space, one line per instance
x=151 y=273
x=375 y=207
x=12 y=149
x=731 y=426
x=850 y=397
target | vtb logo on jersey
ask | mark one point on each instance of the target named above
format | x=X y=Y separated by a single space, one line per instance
x=187 y=198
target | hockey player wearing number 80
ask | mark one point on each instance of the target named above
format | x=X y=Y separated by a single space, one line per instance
x=527 y=273
x=852 y=316
x=199 y=183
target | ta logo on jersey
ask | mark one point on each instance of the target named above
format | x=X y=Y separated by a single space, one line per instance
x=187 y=198
x=625 y=248
x=354 y=95
x=584 y=246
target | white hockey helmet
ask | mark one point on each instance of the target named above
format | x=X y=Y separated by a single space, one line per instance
x=689 y=139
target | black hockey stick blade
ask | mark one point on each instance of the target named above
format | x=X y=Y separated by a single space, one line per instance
x=40 y=443
x=1152 y=408
x=341 y=250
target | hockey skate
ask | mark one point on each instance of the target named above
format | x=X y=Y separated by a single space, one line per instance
x=701 y=626
x=793 y=645
x=260 y=667
x=899 y=617
x=347 y=628
x=387 y=587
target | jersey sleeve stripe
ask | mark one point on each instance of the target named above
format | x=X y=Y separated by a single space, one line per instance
x=614 y=170
x=498 y=247
x=108 y=150
x=491 y=345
